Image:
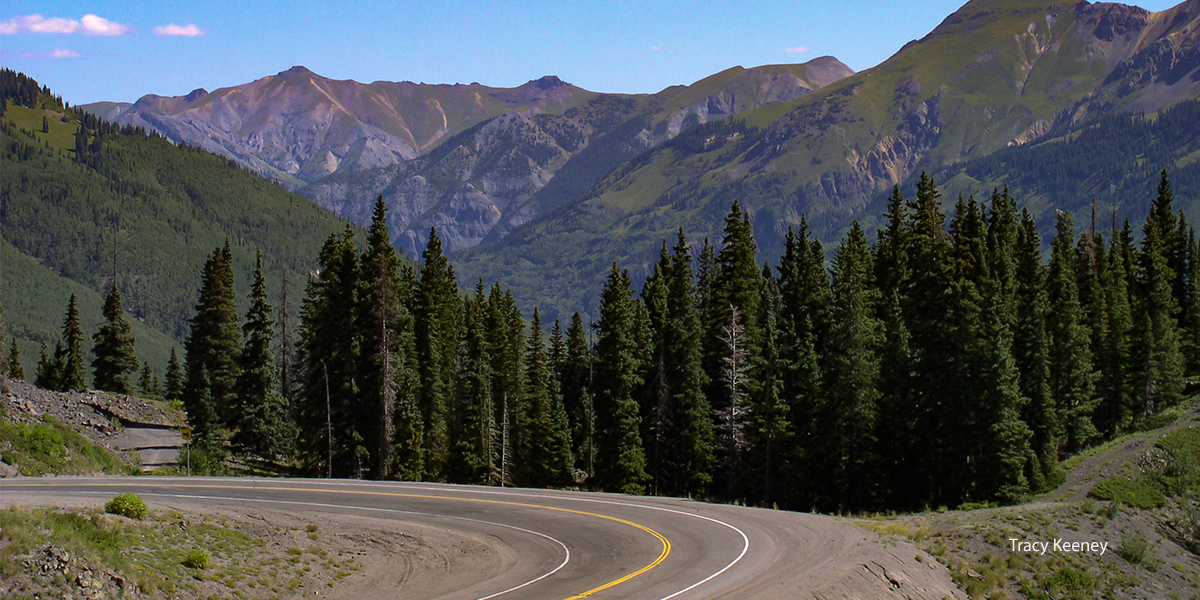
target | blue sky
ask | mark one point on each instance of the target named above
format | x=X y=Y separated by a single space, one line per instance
x=96 y=50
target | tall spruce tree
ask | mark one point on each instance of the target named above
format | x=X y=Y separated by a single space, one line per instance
x=114 y=358
x=1031 y=350
x=213 y=346
x=385 y=330
x=546 y=459
x=805 y=298
x=174 y=378
x=853 y=384
x=691 y=442
x=470 y=461
x=1159 y=360
x=68 y=357
x=1115 y=411
x=926 y=307
x=895 y=356
x=1072 y=376
x=437 y=312
x=620 y=457
x=1008 y=457
x=15 y=370
x=770 y=430
x=327 y=356
x=261 y=418
x=575 y=380
x=1190 y=313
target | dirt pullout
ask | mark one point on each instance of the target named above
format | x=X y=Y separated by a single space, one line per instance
x=296 y=555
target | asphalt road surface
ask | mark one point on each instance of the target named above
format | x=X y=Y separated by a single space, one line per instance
x=575 y=545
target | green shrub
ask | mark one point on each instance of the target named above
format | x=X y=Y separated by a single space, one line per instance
x=127 y=505
x=1134 y=549
x=196 y=559
x=1129 y=491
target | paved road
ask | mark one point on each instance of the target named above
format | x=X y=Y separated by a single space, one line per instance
x=575 y=545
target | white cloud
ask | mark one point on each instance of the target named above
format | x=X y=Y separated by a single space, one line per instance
x=56 y=54
x=89 y=25
x=656 y=48
x=95 y=25
x=796 y=49
x=171 y=29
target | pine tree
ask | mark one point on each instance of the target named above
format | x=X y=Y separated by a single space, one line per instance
x=805 y=298
x=148 y=382
x=385 y=330
x=1157 y=332
x=69 y=356
x=1114 y=414
x=853 y=382
x=926 y=307
x=892 y=278
x=546 y=439
x=620 y=457
x=506 y=342
x=114 y=360
x=436 y=337
x=770 y=430
x=49 y=370
x=213 y=346
x=15 y=370
x=575 y=381
x=174 y=379
x=1190 y=313
x=1031 y=350
x=1072 y=378
x=261 y=418
x=327 y=359
x=6 y=362
x=469 y=462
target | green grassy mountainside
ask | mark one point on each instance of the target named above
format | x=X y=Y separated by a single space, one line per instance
x=997 y=77
x=134 y=205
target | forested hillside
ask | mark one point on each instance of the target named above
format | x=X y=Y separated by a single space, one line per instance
x=945 y=363
x=83 y=201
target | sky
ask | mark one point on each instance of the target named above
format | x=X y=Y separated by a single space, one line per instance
x=89 y=51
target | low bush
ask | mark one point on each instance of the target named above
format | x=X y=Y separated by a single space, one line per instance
x=1133 y=492
x=127 y=505
x=196 y=559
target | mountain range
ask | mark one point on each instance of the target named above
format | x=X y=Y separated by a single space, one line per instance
x=544 y=185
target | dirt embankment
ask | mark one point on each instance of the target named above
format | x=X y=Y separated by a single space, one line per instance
x=116 y=422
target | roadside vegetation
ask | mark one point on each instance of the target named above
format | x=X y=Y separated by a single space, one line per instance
x=50 y=447
x=1139 y=494
x=163 y=555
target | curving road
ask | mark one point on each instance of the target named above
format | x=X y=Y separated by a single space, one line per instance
x=575 y=545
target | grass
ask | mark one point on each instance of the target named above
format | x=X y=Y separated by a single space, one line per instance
x=159 y=554
x=1133 y=492
x=50 y=447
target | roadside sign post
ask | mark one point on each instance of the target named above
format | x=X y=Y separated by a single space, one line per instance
x=186 y=434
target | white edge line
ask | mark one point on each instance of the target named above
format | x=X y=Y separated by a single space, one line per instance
x=745 y=538
x=566 y=551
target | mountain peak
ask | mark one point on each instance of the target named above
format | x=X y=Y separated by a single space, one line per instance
x=297 y=70
x=548 y=82
x=195 y=95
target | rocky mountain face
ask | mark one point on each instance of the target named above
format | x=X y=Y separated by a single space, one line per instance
x=480 y=184
x=996 y=74
x=468 y=159
x=297 y=126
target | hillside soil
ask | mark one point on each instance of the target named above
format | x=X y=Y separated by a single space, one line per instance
x=258 y=553
x=1126 y=551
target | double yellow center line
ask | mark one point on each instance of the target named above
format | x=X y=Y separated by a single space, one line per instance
x=666 y=544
